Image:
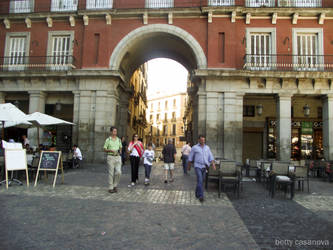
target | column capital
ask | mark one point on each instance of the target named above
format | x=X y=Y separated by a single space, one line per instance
x=37 y=93
x=76 y=92
x=284 y=96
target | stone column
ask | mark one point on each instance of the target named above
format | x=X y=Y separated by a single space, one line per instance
x=123 y=113
x=283 y=122
x=36 y=104
x=2 y=97
x=233 y=126
x=76 y=116
x=328 y=126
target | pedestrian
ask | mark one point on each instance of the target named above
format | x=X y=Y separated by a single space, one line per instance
x=148 y=156
x=112 y=147
x=123 y=151
x=77 y=156
x=25 y=141
x=169 y=156
x=136 y=150
x=201 y=157
x=186 y=149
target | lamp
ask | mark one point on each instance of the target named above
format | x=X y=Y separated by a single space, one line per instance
x=259 y=108
x=58 y=106
x=306 y=110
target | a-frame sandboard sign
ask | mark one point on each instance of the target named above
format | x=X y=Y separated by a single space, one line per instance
x=50 y=161
x=16 y=159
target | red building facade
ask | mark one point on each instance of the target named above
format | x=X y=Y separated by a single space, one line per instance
x=82 y=53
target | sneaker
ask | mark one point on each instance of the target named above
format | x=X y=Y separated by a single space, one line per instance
x=166 y=181
x=115 y=189
x=111 y=191
x=131 y=185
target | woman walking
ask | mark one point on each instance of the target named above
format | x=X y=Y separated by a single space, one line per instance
x=135 y=149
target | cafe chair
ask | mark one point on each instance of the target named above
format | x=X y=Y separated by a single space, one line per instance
x=229 y=175
x=282 y=176
x=212 y=174
x=301 y=176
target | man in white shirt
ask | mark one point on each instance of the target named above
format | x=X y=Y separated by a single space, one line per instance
x=77 y=156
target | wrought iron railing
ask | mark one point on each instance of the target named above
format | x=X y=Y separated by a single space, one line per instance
x=24 y=6
x=289 y=62
x=21 y=6
x=37 y=63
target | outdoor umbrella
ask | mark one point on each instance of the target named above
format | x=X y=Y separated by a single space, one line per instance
x=11 y=116
x=41 y=120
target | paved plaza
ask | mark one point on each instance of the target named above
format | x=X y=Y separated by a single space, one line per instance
x=81 y=214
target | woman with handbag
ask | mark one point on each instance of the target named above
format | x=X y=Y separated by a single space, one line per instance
x=136 y=150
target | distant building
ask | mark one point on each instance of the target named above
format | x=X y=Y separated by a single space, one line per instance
x=138 y=103
x=165 y=119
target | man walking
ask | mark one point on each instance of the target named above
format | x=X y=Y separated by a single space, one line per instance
x=169 y=156
x=186 y=149
x=201 y=157
x=112 y=147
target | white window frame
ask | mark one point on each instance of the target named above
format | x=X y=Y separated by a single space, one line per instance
x=272 y=62
x=320 y=49
x=51 y=35
x=64 y=5
x=21 y=6
x=307 y=3
x=260 y=3
x=221 y=2
x=159 y=4
x=99 y=4
x=23 y=64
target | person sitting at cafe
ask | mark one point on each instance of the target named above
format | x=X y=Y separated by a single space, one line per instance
x=25 y=141
x=77 y=156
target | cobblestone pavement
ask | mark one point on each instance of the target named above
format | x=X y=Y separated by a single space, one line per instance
x=81 y=214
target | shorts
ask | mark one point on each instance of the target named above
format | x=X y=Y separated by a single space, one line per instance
x=169 y=166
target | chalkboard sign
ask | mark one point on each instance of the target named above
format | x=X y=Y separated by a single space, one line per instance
x=49 y=160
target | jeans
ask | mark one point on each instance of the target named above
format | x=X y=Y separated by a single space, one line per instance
x=185 y=161
x=135 y=161
x=201 y=173
x=147 y=170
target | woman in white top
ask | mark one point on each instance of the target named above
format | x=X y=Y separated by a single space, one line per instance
x=135 y=149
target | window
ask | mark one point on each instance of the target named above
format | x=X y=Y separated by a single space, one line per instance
x=64 y=5
x=308 y=48
x=173 y=141
x=157 y=117
x=151 y=106
x=17 y=49
x=99 y=4
x=260 y=47
x=174 y=102
x=165 y=130
x=221 y=2
x=260 y=3
x=158 y=132
x=173 y=115
x=165 y=141
x=165 y=116
x=248 y=111
x=159 y=3
x=157 y=142
x=60 y=50
x=151 y=118
x=166 y=104
x=21 y=6
x=151 y=129
x=320 y=112
x=174 y=129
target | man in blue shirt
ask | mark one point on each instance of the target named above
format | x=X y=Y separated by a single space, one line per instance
x=201 y=157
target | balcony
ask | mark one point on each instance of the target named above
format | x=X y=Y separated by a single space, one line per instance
x=99 y=4
x=21 y=6
x=300 y=3
x=289 y=62
x=37 y=63
x=159 y=4
x=260 y=3
x=64 y=5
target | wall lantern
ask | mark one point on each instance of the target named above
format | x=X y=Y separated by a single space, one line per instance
x=58 y=106
x=306 y=110
x=259 y=109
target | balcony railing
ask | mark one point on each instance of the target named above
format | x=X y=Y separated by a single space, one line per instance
x=24 y=6
x=21 y=6
x=37 y=63
x=260 y=3
x=289 y=62
x=99 y=4
x=64 y=5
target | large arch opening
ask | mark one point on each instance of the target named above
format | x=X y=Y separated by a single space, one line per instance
x=161 y=117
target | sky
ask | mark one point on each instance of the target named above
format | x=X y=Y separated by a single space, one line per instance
x=166 y=75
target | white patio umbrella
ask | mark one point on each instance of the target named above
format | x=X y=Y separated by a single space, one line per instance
x=41 y=120
x=11 y=116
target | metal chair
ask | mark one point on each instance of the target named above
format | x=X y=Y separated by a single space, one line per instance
x=213 y=174
x=302 y=175
x=282 y=176
x=229 y=174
